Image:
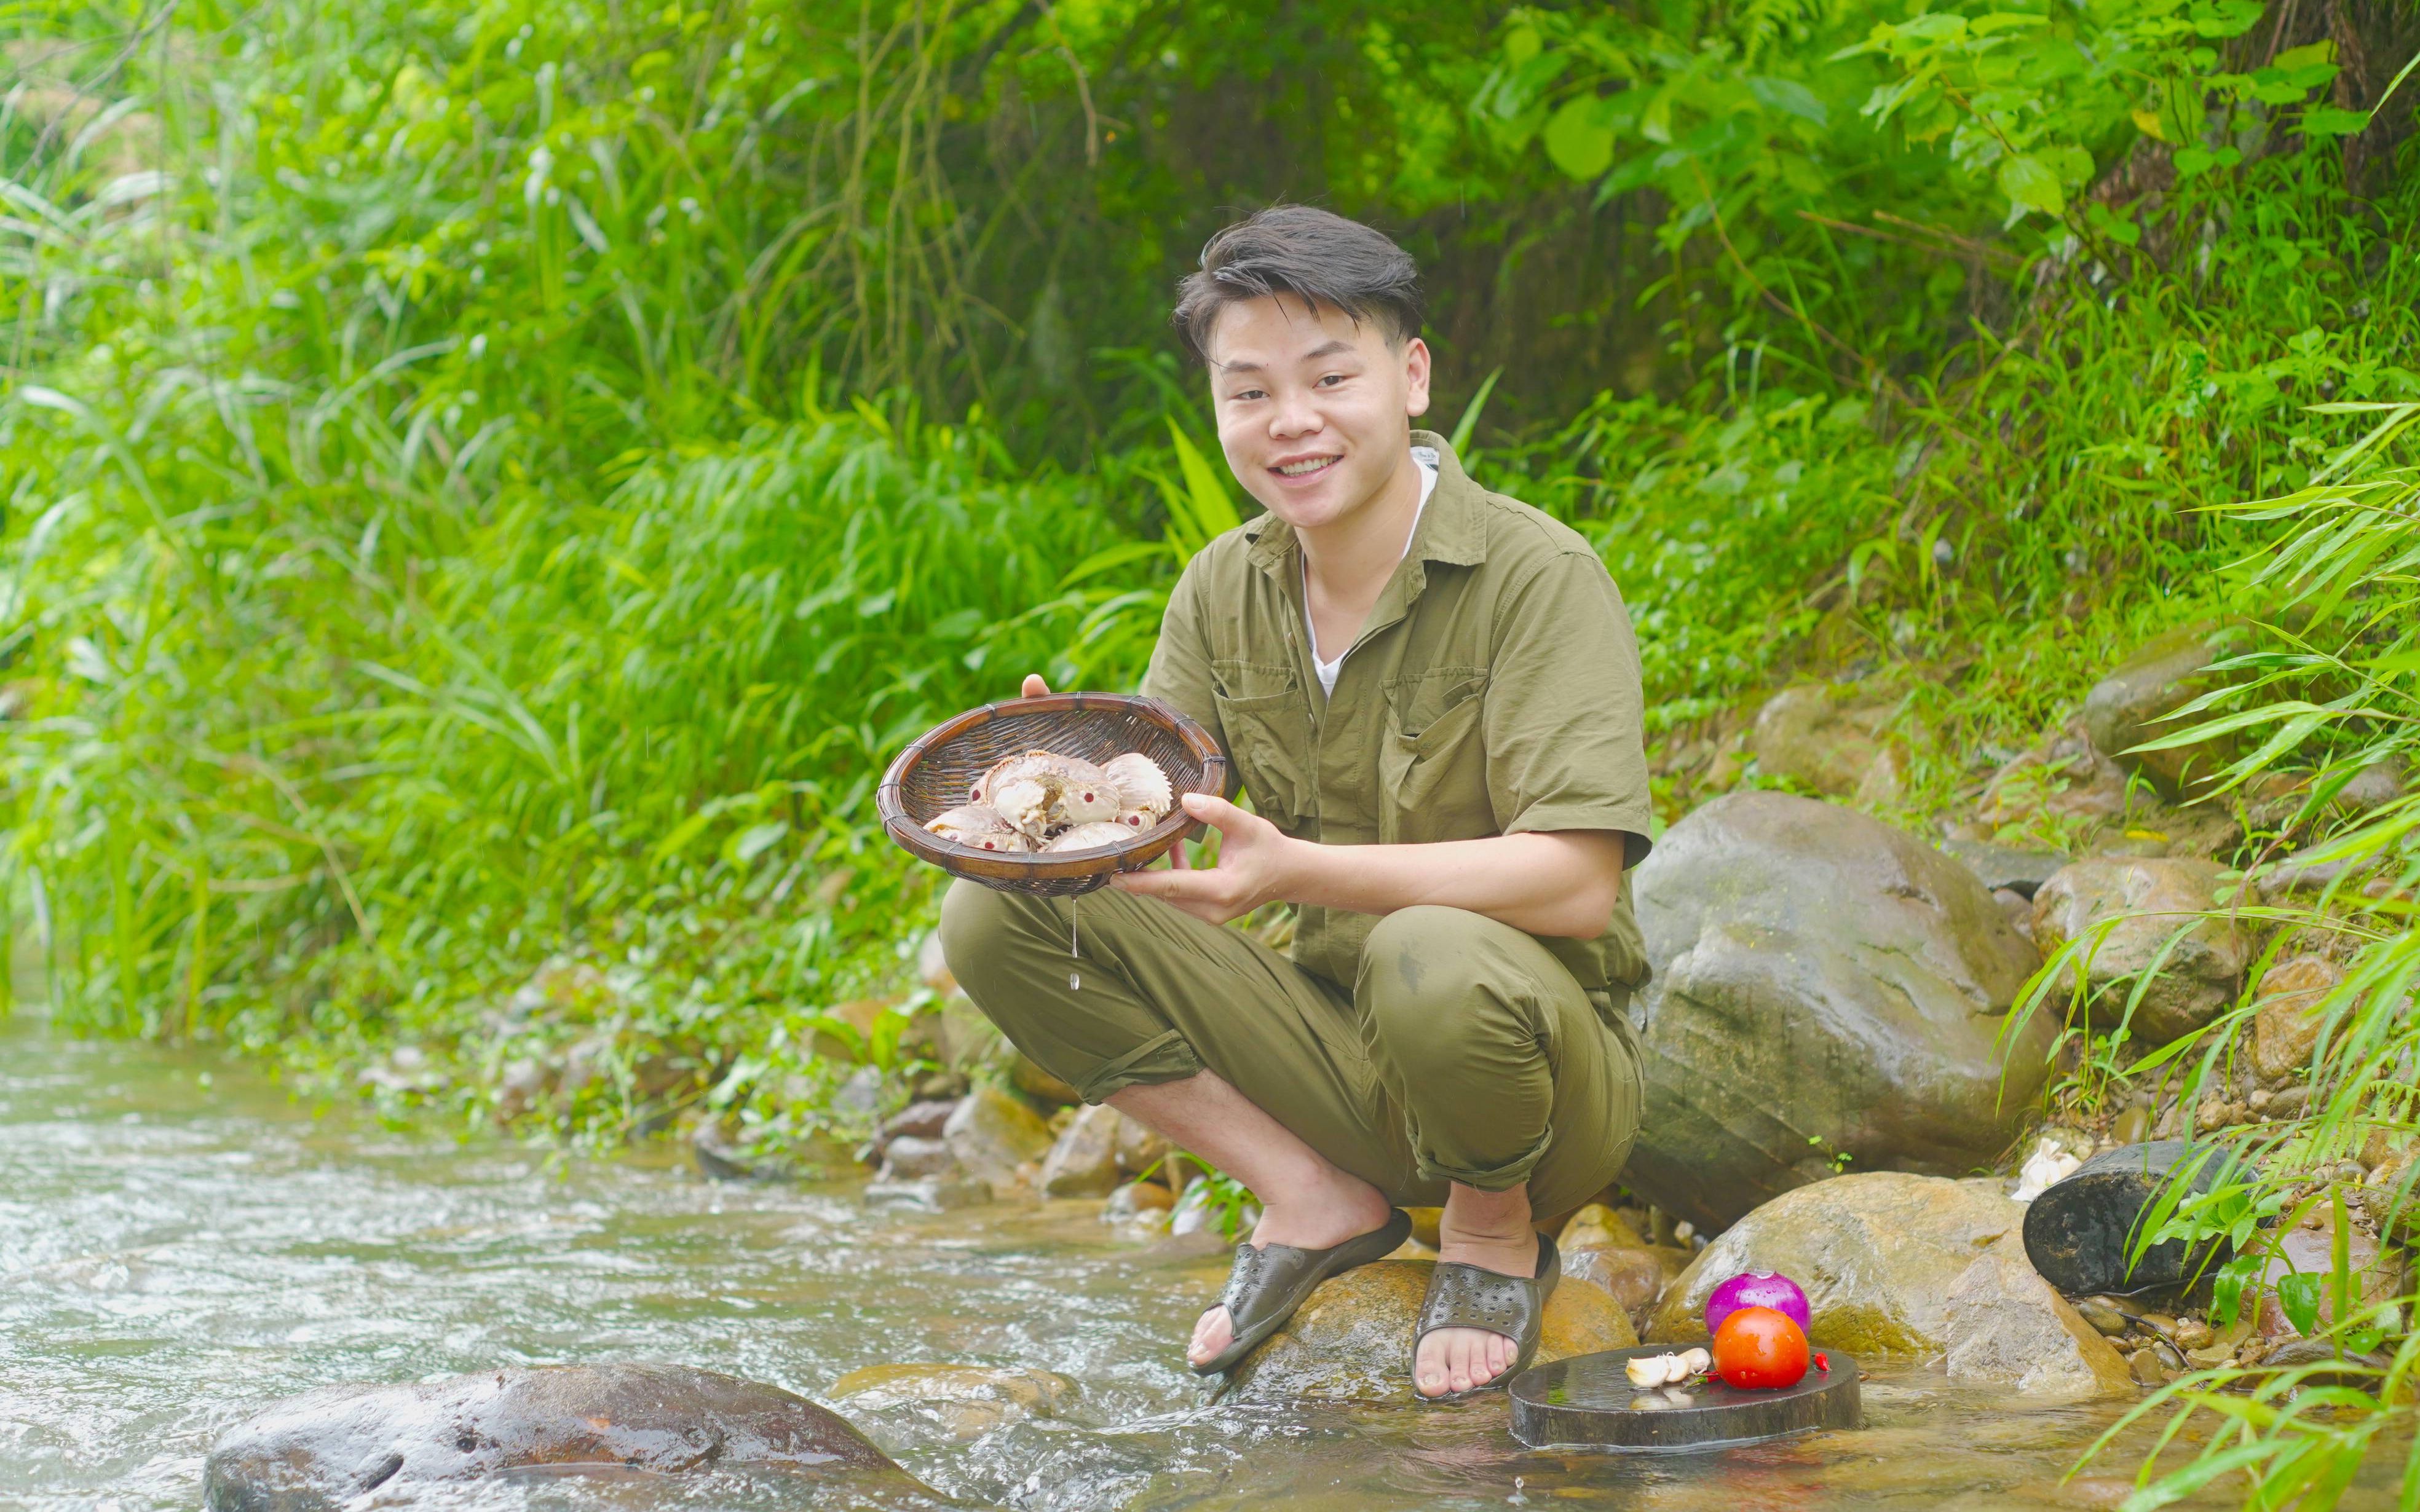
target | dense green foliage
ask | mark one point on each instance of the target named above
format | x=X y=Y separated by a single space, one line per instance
x=442 y=534
x=492 y=485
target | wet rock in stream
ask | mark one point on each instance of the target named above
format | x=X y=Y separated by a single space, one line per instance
x=996 y=1138
x=962 y=1402
x=929 y=1193
x=2006 y=1327
x=1084 y=1161
x=327 y=1448
x=1352 y=1340
x=1911 y=1265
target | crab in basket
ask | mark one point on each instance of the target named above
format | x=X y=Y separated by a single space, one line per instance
x=1040 y=800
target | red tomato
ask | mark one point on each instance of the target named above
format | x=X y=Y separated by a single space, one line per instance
x=1759 y=1347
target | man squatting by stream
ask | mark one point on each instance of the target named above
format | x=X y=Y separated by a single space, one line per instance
x=1431 y=695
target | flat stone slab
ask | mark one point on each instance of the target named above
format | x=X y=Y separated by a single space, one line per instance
x=1588 y=1402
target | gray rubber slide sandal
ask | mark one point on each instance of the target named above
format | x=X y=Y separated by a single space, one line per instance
x=1465 y=1296
x=1267 y=1285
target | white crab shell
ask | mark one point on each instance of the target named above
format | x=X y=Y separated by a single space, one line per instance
x=1025 y=764
x=1142 y=784
x=1027 y=802
x=1087 y=795
x=975 y=825
x=1085 y=837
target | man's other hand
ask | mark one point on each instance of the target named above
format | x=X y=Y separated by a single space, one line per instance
x=1253 y=856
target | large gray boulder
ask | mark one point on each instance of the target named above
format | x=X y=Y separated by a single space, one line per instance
x=327 y=1448
x=1824 y=987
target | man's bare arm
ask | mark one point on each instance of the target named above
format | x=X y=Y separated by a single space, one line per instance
x=1565 y=883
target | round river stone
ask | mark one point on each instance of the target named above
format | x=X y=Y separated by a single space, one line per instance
x=324 y=1448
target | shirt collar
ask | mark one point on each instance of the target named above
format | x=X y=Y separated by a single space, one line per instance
x=1452 y=528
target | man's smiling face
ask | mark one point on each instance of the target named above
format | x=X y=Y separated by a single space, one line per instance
x=1314 y=408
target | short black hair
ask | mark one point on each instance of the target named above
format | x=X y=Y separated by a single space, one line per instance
x=1316 y=255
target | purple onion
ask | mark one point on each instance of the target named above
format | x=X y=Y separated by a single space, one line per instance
x=1757 y=1288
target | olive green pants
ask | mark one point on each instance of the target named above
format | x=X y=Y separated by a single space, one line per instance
x=1463 y=1053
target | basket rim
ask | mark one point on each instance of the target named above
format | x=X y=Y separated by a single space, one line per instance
x=1146 y=846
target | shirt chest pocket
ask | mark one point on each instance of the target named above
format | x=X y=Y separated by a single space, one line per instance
x=1432 y=758
x=1266 y=717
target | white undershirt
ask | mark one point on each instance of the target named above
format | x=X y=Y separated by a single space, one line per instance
x=1427 y=458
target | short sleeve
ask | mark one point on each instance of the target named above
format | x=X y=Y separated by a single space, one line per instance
x=1565 y=730
x=1179 y=673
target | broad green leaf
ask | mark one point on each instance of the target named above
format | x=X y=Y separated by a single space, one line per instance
x=1935 y=26
x=2271 y=87
x=2220 y=19
x=2323 y=50
x=1579 y=137
x=1790 y=96
x=2031 y=184
x=2297 y=1297
x=2326 y=120
x=1521 y=44
x=1655 y=124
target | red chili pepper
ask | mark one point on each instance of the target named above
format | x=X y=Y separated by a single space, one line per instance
x=1822 y=1364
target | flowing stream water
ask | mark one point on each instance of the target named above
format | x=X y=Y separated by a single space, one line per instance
x=181 y=1244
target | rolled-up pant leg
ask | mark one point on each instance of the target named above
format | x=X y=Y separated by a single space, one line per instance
x=1164 y=995
x=1502 y=1069
x=1465 y=1052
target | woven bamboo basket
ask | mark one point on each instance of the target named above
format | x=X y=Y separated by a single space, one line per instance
x=934 y=773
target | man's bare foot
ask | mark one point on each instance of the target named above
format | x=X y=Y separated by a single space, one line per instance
x=1322 y=1215
x=1490 y=1230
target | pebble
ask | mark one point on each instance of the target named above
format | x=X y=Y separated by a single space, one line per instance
x=2132 y=1126
x=931 y=1194
x=1137 y=1200
x=2190 y=1333
x=910 y=1157
x=2147 y=1367
x=919 y=1120
x=2102 y=1314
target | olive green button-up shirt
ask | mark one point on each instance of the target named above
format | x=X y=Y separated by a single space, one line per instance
x=1494 y=690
